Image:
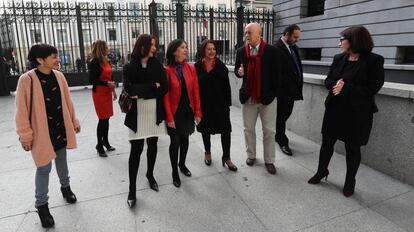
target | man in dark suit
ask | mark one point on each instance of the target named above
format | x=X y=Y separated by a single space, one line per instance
x=258 y=64
x=291 y=83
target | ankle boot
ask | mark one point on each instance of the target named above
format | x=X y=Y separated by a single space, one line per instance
x=45 y=217
x=68 y=194
x=349 y=187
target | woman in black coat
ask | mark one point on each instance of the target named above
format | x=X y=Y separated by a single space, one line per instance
x=354 y=78
x=145 y=82
x=215 y=94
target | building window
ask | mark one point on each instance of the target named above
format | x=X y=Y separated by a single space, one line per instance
x=112 y=34
x=222 y=9
x=87 y=33
x=111 y=11
x=134 y=9
x=310 y=53
x=135 y=33
x=62 y=36
x=35 y=36
x=312 y=7
x=200 y=8
x=405 y=55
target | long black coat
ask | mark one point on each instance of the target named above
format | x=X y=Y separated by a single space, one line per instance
x=356 y=100
x=141 y=82
x=215 y=95
x=270 y=74
x=292 y=79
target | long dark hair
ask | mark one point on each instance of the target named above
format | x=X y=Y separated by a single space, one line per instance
x=171 y=49
x=98 y=51
x=142 y=46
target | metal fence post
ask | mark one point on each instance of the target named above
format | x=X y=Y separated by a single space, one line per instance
x=153 y=19
x=180 y=20
x=211 y=23
x=240 y=29
x=80 y=37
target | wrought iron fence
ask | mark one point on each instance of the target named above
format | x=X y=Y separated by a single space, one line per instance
x=72 y=27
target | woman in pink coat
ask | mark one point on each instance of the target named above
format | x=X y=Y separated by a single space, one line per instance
x=46 y=124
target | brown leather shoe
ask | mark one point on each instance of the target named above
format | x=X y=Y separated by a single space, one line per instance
x=250 y=162
x=271 y=168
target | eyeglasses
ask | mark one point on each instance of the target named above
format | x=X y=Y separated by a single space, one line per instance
x=341 y=39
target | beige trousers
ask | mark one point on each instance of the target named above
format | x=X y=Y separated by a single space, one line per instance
x=267 y=115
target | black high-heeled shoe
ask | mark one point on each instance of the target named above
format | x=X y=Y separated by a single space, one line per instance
x=349 y=188
x=45 y=217
x=185 y=170
x=207 y=158
x=232 y=168
x=316 y=179
x=132 y=199
x=109 y=147
x=68 y=195
x=152 y=183
x=101 y=151
x=176 y=180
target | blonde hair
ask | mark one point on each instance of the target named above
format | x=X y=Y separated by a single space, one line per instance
x=98 y=51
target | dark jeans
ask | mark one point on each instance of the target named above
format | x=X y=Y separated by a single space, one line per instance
x=102 y=132
x=137 y=147
x=353 y=157
x=284 y=110
x=178 y=142
x=225 y=144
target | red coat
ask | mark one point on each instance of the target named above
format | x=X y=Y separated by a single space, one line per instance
x=172 y=98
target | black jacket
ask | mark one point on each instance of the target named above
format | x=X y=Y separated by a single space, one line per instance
x=95 y=71
x=292 y=80
x=215 y=95
x=270 y=74
x=141 y=82
x=356 y=100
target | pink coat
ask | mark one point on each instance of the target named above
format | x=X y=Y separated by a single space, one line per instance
x=38 y=131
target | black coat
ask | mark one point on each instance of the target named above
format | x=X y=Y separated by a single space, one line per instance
x=141 y=82
x=356 y=102
x=215 y=95
x=292 y=80
x=95 y=70
x=270 y=74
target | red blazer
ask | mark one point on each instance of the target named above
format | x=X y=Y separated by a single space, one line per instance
x=172 y=98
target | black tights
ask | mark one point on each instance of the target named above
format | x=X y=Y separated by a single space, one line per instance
x=353 y=157
x=225 y=144
x=178 y=142
x=137 y=147
x=102 y=132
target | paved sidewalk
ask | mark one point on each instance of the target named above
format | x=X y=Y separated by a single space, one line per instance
x=214 y=199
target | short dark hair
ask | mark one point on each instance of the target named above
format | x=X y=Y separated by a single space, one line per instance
x=359 y=38
x=142 y=46
x=290 y=29
x=202 y=48
x=171 y=49
x=40 y=51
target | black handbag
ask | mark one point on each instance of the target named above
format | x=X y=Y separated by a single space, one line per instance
x=125 y=103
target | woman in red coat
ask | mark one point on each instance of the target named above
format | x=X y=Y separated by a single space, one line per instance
x=182 y=105
x=103 y=93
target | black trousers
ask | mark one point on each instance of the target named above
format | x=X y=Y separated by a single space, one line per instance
x=225 y=144
x=284 y=110
x=102 y=132
x=137 y=147
x=353 y=157
x=178 y=143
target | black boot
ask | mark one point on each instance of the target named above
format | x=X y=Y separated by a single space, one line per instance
x=68 y=194
x=101 y=151
x=45 y=218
